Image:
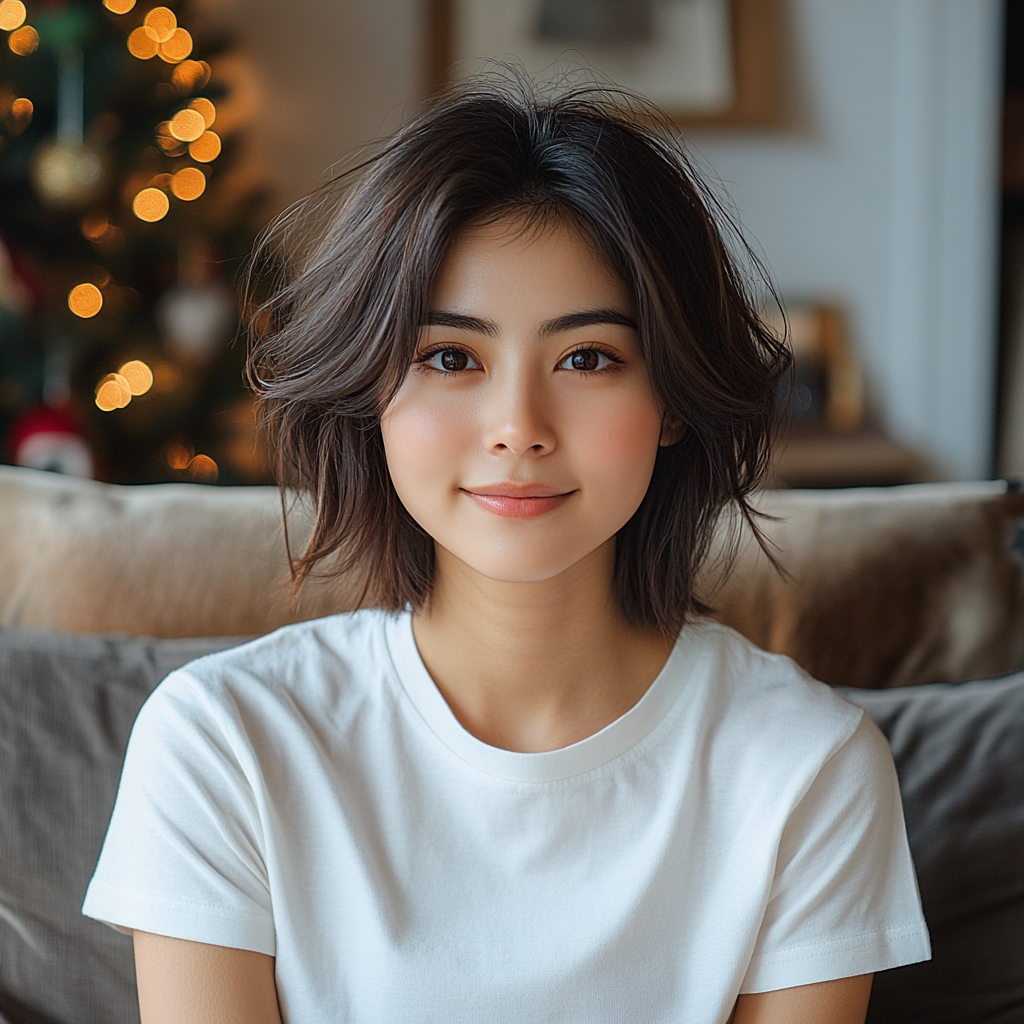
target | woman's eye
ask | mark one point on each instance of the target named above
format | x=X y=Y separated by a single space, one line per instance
x=451 y=360
x=587 y=359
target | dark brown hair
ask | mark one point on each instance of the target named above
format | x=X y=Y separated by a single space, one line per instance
x=334 y=343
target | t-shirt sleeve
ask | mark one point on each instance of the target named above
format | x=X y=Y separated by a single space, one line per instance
x=183 y=855
x=844 y=901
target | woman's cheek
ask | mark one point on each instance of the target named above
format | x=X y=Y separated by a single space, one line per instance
x=423 y=442
x=621 y=442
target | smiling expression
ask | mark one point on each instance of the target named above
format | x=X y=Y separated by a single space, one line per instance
x=525 y=434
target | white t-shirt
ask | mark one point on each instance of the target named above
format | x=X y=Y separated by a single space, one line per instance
x=311 y=795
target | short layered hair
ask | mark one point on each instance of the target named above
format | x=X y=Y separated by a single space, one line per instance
x=333 y=343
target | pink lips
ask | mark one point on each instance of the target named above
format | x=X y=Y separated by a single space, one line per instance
x=518 y=501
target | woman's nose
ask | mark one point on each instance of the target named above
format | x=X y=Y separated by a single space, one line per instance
x=517 y=419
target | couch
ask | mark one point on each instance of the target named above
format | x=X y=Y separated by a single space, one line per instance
x=909 y=599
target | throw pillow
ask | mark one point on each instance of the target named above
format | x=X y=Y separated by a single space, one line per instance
x=959 y=752
x=67 y=704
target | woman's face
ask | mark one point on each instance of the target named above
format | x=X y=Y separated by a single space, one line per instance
x=524 y=436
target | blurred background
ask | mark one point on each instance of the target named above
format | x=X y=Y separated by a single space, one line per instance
x=872 y=151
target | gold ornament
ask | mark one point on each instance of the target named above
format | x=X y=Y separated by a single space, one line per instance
x=67 y=174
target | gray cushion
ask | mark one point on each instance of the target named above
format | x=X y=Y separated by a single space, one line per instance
x=959 y=752
x=67 y=704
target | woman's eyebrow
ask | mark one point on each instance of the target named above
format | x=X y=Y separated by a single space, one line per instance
x=460 y=321
x=587 y=318
x=569 y=322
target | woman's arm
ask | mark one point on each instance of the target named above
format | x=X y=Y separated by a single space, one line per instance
x=829 y=1002
x=184 y=982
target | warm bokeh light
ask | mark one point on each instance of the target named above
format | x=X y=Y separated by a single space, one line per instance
x=177 y=48
x=205 y=148
x=167 y=142
x=138 y=375
x=162 y=181
x=119 y=6
x=141 y=43
x=206 y=108
x=187 y=125
x=190 y=75
x=163 y=23
x=94 y=226
x=177 y=456
x=85 y=300
x=22 y=109
x=113 y=392
x=189 y=183
x=203 y=469
x=24 y=40
x=151 y=205
x=12 y=15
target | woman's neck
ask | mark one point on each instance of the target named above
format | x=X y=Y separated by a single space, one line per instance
x=535 y=666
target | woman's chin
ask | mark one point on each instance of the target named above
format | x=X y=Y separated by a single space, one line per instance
x=519 y=565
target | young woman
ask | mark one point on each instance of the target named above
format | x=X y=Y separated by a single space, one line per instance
x=522 y=381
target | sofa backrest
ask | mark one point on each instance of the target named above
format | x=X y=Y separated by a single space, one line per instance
x=885 y=587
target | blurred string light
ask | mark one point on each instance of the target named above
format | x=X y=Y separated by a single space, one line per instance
x=18 y=114
x=177 y=456
x=150 y=205
x=167 y=142
x=160 y=35
x=190 y=75
x=203 y=469
x=113 y=392
x=116 y=390
x=85 y=300
x=23 y=41
x=206 y=148
x=189 y=183
x=206 y=108
x=187 y=125
x=177 y=48
x=161 y=22
x=138 y=375
x=141 y=43
x=182 y=458
x=12 y=15
x=119 y=6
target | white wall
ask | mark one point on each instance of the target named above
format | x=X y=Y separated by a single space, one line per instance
x=887 y=202
x=327 y=76
x=885 y=199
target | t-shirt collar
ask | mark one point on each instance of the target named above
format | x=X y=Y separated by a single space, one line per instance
x=613 y=741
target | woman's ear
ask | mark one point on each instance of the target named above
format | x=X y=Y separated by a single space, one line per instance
x=672 y=431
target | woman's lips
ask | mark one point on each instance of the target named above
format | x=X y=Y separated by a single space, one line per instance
x=519 y=502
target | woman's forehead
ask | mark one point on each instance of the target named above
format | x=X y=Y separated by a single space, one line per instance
x=519 y=257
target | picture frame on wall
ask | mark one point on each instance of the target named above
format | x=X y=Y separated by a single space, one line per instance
x=708 y=63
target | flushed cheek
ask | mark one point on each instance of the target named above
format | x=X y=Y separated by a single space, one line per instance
x=424 y=442
x=618 y=445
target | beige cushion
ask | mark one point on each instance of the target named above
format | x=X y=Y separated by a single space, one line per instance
x=170 y=560
x=887 y=587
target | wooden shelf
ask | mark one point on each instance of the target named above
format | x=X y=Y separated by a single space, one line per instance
x=862 y=459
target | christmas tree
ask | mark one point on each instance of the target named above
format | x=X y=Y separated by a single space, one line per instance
x=122 y=231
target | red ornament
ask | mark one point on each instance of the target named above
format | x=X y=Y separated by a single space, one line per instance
x=50 y=439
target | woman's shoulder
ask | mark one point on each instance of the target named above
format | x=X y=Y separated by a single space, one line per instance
x=767 y=700
x=332 y=660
